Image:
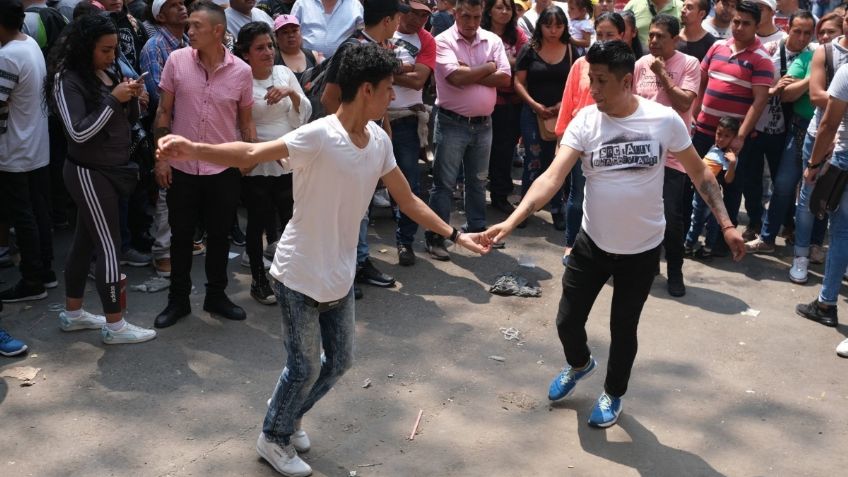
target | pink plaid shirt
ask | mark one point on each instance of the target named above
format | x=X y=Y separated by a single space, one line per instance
x=206 y=104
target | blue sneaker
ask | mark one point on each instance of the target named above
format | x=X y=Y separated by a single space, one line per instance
x=564 y=383
x=10 y=346
x=606 y=411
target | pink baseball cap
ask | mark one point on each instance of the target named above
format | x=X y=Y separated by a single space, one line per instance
x=284 y=20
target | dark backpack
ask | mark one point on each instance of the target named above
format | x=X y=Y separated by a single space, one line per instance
x=49 y=26
x=314 y=81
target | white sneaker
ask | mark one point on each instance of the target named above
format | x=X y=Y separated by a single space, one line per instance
x=842 y=348
x=283 y=458
x=245 y=261
x=381 y=198
x=130 y=333
x=798 y=272
x=86 y=321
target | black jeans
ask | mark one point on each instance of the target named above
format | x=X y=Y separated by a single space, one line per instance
x=213 y=199
x=759 y=148
x=25 y=196
x=266 y=198
x=587 y=271
x=674 y=195
x=505 y=133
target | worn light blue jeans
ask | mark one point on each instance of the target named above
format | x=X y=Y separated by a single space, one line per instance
x=307 y=377
x=461 y=145
x=808 y=229
x=837 y=253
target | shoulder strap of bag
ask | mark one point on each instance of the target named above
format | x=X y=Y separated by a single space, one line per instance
x=783 y=66
x=828 y=62
x=528 y=24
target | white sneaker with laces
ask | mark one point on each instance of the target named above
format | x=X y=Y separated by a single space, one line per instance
x=842 y=348
x=798 y=272
x=300 y=439
x=86 y=321
x=130 y=333
x=283 y=458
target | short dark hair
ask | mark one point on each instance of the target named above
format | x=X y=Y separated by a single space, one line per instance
x=751 y=8
x=803 y=15
x=705 y=6
x=374 y=11
x=84 y=8
x=729 y=123
x=364 y=63
x=469 y=3
x=12 y=14
x=247 y=34
x=618 y=57
x=216 y=12
x=613 y=17
x=671 y=24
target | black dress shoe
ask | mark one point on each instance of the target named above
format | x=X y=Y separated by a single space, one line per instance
x=675 y=285
x=223 y=307
x=171 y=314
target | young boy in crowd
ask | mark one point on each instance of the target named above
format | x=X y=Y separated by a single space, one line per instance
x=443 y=18
x=722 y=162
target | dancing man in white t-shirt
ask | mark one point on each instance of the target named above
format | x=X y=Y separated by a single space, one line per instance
x=337 y=160
x=622 y=141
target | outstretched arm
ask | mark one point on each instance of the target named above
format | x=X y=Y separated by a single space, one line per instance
x=232 y=154
x=422 y=214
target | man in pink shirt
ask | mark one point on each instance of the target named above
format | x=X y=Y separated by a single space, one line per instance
x=206 y=94
x=670 y=78
x=470 y=64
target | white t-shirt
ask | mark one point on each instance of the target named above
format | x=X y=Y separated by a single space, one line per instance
x=839 y=89
x=532 y=16
x=275 y=120
x=623 y=161
x=236 y=19
x=25 y=144
x=333 y=184
x=719 y=33
x=771 y=120
x=404 y=42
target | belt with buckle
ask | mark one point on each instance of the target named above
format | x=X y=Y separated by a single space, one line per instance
x=464 y=119
x=321 y=306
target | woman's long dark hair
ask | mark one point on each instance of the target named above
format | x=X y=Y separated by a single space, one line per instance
x=636 y=44
x=510 y=34
x=247 y=34
x=75 y=52
x=555 y=15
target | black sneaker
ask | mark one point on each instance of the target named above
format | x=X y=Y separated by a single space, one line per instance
x=369 y=274
x=406 y=256
x=222 y=306
x=48 y=279
x=23 y=291
x=815 y=311
x=237 y=236
x=503 y=205
x=261 y=292
x=435 y=246
x=675 y=285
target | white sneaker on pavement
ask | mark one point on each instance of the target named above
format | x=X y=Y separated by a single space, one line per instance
x=798 y=272
x=86 y=321
x=130 y=333
x=283 y=458
x=300 y=438
x=842 y=348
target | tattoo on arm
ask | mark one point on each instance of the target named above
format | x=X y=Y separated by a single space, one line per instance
x=711 y=193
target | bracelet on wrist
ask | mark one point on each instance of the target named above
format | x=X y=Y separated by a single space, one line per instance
x=810 y=165
x=727 y=227
x=454 y=235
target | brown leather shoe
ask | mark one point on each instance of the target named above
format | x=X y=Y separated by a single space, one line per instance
x=162 y=266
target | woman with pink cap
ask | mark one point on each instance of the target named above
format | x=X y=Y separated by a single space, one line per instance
x=290 y=42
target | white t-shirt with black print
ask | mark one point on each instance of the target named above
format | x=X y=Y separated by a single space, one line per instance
x=623 y=160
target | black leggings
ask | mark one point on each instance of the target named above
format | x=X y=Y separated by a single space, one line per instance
x=98 y=232
x=587 y=271
x=264 y=197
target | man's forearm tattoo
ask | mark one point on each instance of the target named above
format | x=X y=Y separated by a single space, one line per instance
x=711 y=193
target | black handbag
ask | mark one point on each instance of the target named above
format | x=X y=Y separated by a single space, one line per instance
x=828 y=190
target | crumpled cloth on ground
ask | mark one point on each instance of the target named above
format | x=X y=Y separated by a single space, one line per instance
x=512 y=284
x=152 y=285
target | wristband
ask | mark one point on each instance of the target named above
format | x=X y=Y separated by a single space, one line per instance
x=454 y=235
x=810 y=165
x=727 y=227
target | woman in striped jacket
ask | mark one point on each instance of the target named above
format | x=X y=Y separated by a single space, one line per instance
x=97 y=108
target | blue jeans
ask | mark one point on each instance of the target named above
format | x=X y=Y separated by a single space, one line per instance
x=759 y=148
x=362 y=250
x=574 y=206
x=808 y=229
x=307 y=377
x=405 y=144
x=785 y=180
x=538 y=156
x=702 y=217
x=837 y=253
x=461 y=145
